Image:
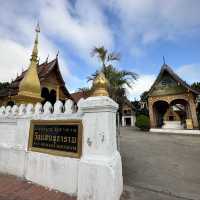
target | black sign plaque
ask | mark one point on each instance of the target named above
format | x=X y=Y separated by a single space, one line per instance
x=57 y=137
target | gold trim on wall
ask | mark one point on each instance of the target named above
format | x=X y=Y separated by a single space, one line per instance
x=52 y=151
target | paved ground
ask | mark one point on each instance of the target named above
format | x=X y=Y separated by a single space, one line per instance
x=12 y=188
x=160 y=167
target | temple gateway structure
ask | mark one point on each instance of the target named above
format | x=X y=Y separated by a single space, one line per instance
x=172 y=103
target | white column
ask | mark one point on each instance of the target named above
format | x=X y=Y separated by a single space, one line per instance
x=100 y=168
x=123 y=121
x=132 y=121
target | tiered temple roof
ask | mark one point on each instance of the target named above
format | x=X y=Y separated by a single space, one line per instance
x=43 y=70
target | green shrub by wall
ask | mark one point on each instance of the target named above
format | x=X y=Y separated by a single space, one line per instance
x=142 y=122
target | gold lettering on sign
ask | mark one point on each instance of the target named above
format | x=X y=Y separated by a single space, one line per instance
x=57 y=137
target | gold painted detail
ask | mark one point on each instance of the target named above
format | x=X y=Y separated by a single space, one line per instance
x=170 y=98
x=189 y=124
x=56 y=137
x=57 y=92
x=22 y=99
x=30 y=84
x=100 y=85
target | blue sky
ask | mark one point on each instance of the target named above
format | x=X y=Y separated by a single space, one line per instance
x=142 y=31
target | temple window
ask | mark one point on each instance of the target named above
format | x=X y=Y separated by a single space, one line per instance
x=164 y=82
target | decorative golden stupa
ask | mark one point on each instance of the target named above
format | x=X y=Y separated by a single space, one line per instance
x=29 y=88
x=100 y=85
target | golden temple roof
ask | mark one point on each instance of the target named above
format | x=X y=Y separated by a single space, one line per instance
x=30 y=84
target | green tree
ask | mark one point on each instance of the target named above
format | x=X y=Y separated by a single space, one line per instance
x=144 y=96
x=4 y=85
x=138 y=109
x=143 y=122
x=196 y=86
x=118 y=79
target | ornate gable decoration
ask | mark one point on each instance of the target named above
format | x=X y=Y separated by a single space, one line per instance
x=169 y=83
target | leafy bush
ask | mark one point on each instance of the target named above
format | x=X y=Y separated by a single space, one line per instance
x=142 y=122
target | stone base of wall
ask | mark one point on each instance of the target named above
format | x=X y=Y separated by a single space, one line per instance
x=46 y=170
x=12 y=161
x=100 y=175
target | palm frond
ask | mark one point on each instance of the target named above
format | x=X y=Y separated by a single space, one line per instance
x=113 y=57
x=101 y=52
x=93 y=76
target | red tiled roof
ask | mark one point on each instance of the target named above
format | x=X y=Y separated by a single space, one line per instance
x=78 y=95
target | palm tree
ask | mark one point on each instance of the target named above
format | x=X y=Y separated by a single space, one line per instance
x=118 y=79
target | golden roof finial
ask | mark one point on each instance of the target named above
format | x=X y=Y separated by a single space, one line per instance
x=30 y=84
x=100 y=85
x=35 y=48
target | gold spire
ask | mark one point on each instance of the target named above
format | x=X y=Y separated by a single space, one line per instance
x=30 y=84
x=100 y=85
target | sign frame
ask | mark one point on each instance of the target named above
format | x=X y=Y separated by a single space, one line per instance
x=53 y=151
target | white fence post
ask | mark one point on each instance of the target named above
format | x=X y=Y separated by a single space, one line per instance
x=100 y=168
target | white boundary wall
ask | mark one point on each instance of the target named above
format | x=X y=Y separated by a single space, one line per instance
x=96 y=175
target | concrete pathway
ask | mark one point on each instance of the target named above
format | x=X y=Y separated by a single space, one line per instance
x=160 y=167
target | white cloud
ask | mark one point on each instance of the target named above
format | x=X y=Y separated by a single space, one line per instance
x=190 y=72
x=144 y=83
x=137 y=52
x=145 y=22
x=82 y=26
x=157 y=19
x=15 y=56
x=12 y=56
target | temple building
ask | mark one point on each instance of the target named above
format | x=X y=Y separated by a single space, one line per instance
x=128 y=114
x=172 y=102
x=39 y=83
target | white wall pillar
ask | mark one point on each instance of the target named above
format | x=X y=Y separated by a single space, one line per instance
x=132 y=121
x=100 y=168
x=123 y=121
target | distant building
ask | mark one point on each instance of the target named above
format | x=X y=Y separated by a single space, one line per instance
x=128 y=114
x=78 y=95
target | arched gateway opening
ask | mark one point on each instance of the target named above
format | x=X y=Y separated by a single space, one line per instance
x=160 y=108
x=182 y=109
x=171 y=115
